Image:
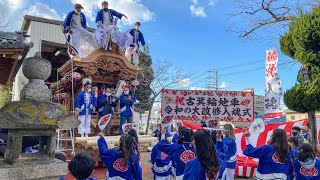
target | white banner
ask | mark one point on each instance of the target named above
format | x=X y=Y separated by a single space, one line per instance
x=196 y=105
x=273 y=90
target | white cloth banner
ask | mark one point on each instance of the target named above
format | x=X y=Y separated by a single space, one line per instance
x=196 y=105
x=273 y=90
x=263 y=138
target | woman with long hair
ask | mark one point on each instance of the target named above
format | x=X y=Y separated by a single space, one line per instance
x=121 y=162
x=231 y=151
x=180 y=153
x=275 y=159
x=207 y=165
x=307 y=166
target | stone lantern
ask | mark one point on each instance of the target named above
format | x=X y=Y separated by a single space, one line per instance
x=34 y=115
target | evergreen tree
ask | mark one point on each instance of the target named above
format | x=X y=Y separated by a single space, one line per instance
x=302 y=43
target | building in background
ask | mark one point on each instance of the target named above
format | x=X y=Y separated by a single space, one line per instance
x=259 y=106
x=47 y=37
x=296 y=116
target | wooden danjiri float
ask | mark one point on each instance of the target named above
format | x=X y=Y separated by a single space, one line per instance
x=103 y=68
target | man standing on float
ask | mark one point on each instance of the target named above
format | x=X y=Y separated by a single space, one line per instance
x=126 y=111
x=106 y=103
x=106 y=17
x=86 y=103
x=133 y=49
x=75 y=24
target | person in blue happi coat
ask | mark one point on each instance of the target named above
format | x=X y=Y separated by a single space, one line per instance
x=107 y=16
x=107 y=29
x=230 y=143
x=175 y=137
x=85 y=104
x=75 y=24
x=275 y=159
x=294 y=147
x=133 y=49
x=307 y=166
x=180 y=153
x=106 y=103
x=126 y=111
x=121 y=162
x=208 y=164
x=162 y=164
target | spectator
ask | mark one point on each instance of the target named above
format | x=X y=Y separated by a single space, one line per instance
x=275 y=160
x=294 y=145
x=81 y=166
x=307 y=166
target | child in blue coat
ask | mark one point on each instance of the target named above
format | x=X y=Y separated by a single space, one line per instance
x=307 y=166
x=231 y=157
x=275 y=159
x=81 y=166
x=207 y=165
x=121 y=162
x=294 y=144
x=162 y=164
x=180 y=153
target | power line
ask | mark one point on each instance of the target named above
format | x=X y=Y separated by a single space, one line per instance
x=255 y=69
x=239 y=65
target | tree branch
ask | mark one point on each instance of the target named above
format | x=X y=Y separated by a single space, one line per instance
x=257 y=14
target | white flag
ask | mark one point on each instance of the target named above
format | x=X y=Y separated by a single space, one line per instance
x=273 y=90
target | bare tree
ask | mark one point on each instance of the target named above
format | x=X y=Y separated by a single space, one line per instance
x=165 y=75
x=253 y=15
x=6 y=20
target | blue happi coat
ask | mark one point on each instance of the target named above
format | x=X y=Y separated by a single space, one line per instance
x=113 y=159
x=126 y=105
x=137 y=38
x=221 y=149
x=294 y=152
x=161 y=161
x=175 y=138
x=180 y=154
x=102 y=105
x=231 y=156
x=307 y=170
x=195 y=171
x=168 y=133
x=269 y=166
x=111 y=13
x=81 y=103
x=68 y=20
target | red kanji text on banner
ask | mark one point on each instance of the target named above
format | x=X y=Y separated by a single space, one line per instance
x=206 y=105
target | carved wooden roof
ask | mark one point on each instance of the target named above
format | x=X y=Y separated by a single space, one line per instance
x=103 y=67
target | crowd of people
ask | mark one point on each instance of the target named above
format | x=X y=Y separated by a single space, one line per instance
x=201 y=155
x=204 y=155
x=86 y=103
x=284 y=158
x=194 y=155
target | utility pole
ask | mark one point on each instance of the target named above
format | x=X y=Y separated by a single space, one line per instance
x=213 y=79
